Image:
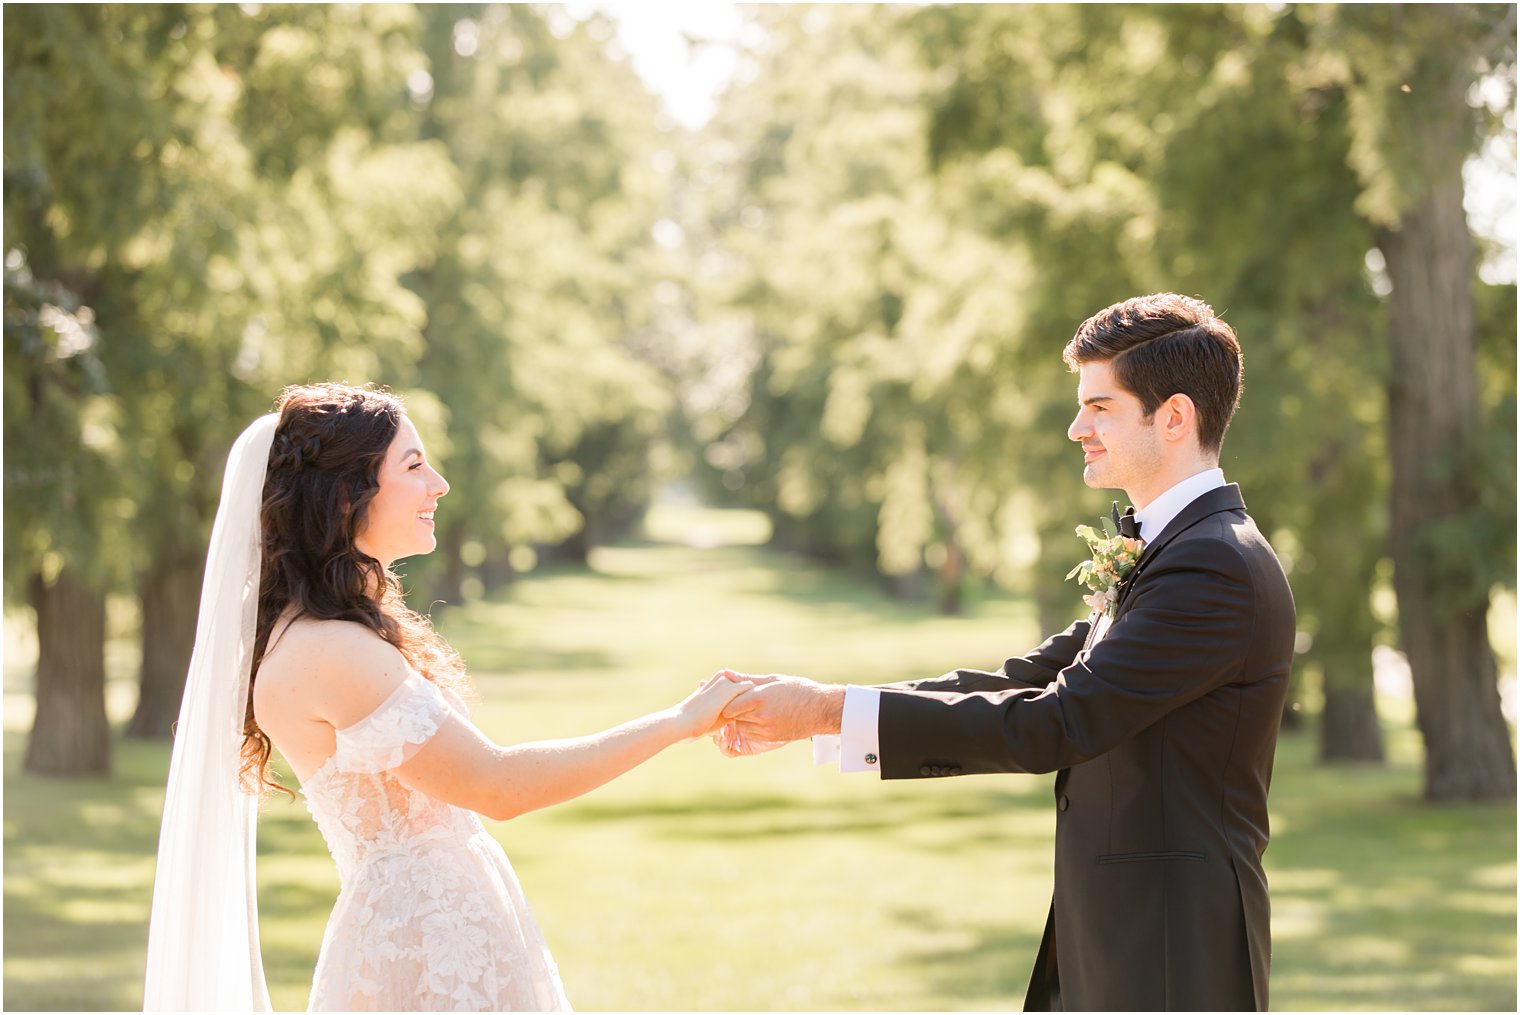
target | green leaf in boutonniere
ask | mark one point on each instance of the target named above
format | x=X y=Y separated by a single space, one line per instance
x=1113 y=558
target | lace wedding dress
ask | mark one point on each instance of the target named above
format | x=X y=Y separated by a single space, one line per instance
x=430 y=916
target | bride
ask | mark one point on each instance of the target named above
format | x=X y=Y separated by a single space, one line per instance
x=304 y=644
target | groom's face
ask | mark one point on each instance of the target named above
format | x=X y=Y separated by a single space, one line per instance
x=1121 y=448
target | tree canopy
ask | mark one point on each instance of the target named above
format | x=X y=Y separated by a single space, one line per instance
x=841 y=302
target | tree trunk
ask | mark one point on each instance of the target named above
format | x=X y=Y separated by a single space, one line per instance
x=1337 y=592
x=908 y=587
x=577 y=548
x=1433 y=400
x=1348 y=724
x=951 y=581
x=448 y=582
x=170 y=602
x=496 y=571
x=70 y=733
x=1056 y=602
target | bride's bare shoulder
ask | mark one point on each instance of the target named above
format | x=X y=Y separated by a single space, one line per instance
x=306 y=636
x=338 y=671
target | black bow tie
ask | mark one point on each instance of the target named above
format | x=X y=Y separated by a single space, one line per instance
x=1125 y=523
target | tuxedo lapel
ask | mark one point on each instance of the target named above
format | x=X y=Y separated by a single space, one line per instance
x=1224 y=498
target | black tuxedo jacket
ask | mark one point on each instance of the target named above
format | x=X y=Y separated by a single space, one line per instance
x=1163 y=732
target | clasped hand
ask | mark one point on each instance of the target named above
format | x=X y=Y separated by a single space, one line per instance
x=775 y=711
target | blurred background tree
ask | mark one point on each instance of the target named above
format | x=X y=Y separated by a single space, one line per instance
x=1410 y=75
x=840 y=302
x=59 y=548
x=539 y=282
x=1106 y=151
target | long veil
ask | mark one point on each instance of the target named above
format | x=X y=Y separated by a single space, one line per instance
x=203 y=936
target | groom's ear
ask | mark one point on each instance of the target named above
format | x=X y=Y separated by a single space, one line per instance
x=1178 y=417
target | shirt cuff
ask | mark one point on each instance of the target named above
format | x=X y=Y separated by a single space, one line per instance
x=859 y=738
x=826 y=748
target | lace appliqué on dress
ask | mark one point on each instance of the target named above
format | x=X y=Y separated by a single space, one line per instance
x=394 y=731
x=431 y=916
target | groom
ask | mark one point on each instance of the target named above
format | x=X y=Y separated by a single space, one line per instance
x=1160 y=717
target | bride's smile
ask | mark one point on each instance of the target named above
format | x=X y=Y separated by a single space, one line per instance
x=398 y=521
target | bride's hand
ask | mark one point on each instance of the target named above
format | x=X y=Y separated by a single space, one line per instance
x=702 y=711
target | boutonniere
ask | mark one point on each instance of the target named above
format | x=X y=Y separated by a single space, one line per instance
x=1113 y=558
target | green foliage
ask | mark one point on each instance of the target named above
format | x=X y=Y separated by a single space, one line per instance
x=1494 y=493
x=873 y=413
x=842 y=302
x=211 y=286
x=534 y=290
x=1399 y=65
x=451 y=200
x=1471 y=553
x=61 y=439
x=1397 y=70
x=915 y=208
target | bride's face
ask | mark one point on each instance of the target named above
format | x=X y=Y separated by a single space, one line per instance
x=399 y=520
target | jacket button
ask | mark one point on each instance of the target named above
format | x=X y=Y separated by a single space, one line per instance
x=1063 y=803
x=870 y=759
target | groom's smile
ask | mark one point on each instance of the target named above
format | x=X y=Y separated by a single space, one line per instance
x=1120 y=448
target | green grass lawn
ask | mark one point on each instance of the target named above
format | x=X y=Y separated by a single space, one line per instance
x=698 y=882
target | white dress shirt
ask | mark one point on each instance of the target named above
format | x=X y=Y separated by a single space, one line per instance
x=857 y=746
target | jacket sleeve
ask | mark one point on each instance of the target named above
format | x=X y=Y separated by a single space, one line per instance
x=1036 y=670
x=1186 y=630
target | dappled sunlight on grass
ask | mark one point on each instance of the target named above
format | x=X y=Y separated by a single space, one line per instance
x=1365 y=877
x=696 y=882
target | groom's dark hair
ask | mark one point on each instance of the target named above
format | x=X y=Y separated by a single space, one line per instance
x=1163 y=345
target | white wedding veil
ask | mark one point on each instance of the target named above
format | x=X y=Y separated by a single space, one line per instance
x=203 y=936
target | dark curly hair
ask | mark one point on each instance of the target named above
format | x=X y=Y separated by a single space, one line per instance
x=324 y=470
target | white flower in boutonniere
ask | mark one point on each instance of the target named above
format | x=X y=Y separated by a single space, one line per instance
x=1113 y=558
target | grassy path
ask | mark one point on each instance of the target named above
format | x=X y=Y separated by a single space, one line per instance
x=700 y=883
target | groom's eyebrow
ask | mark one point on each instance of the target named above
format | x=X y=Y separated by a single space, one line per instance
x=1095 y=399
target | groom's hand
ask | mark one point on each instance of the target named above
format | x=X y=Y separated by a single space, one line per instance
x=780 y=709
x=729 y=740
x=733 y=744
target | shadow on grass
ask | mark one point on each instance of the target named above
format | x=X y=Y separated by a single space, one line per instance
x=991 y=968
x=79 y=857
x=838 y=594
x=1382 y=901
x=1356 y=873
x=116 y=815
x=755 y=571
x=915 y=819
x=51 y=922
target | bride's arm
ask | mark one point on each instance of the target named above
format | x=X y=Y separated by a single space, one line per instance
x=460 y=765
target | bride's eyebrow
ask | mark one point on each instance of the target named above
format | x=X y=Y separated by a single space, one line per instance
x=409 y=452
